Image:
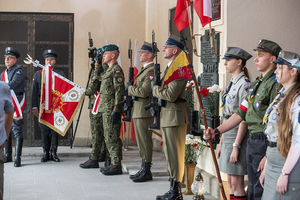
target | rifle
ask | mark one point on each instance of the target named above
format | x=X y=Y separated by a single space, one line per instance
x=92 y=55
x=128 y=102
x=155 y=105
x=204 y=118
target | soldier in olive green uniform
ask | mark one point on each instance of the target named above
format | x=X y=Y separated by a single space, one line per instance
x=111 y=93
x=252 y=109
x=173 y=122
x=98 y=144
x=142 y=118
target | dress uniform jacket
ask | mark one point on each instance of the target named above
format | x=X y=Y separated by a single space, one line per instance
x=141 y=89
x=275 y=161
x=173 y=122
x=235 y=96
x=142 y=118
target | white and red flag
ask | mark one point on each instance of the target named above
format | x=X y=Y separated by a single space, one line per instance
x=18 y=107
x=181 y=18
x=204 y=11
x=62 y=98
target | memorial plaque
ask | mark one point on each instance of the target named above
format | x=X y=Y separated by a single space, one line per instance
x=210 y=75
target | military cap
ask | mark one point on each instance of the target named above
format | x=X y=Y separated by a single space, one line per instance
x=49 y=53
x=173 y=41
x=110 y=47
x=147 y=47
x=268 y=46
x=237 y=53
x=10 y=51
x=288 y=58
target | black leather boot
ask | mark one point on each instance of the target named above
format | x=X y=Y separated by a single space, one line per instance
x=139 y=172
x=145 y=175
x=89 y=164
x=18 y=145
x=174 y=193
x=46 y=147
x=101 y=157
x=8 y=149
x=106 y=164
x=54 y=145
x=113 y=170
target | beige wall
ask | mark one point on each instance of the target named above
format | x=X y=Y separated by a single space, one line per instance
x=115 y=20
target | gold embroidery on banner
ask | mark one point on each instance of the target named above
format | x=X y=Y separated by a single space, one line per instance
x=73 y=95
x=60 y=121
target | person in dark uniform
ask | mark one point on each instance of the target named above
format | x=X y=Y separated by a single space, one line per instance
x=173 y=121
x=252 y=109
x=49 y=136
x=15 y=77
x=142 y=118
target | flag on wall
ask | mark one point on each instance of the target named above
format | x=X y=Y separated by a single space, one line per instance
x=178 y=69
x=64 y=99
x=181 y=18
x=203 y=10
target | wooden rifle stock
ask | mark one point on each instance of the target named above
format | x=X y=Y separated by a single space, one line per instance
x=205 y=124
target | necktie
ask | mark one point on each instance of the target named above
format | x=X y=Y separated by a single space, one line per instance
x=225 y=94
x=273 y=104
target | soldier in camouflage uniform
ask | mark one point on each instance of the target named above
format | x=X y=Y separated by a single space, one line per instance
x=111 y=92
x=98 y=145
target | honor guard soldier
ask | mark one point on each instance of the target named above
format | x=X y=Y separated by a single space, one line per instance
x=232 y=148
x=252 y=109
x=111 y=93
x=142 y=118
x=281 y=174
x=173 y=121
x=15 y=77
x=99 y=151
x=48 y=135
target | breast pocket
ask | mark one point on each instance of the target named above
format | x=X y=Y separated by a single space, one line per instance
x=107 y=83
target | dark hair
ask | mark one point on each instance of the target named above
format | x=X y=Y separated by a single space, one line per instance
x=244 y=68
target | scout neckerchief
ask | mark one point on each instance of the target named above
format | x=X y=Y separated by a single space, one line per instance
x=225 y=95
x=271 y=107
x=19 y=107
x=250 y=98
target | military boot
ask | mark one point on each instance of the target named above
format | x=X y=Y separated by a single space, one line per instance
x=18 y=145
x=165 y=196
x=54 y=145
x=89 y=164
x=106 y=164
x=101 y=157
x=113 y=170
x=145 y=175
x=139 y=172
x=8 y=149
x=45 y=145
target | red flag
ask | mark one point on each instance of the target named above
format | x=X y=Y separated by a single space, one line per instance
x=65 y=102
x=204 y=11
x=181 y=18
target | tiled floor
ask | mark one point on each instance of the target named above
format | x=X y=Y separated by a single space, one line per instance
x=66 y=180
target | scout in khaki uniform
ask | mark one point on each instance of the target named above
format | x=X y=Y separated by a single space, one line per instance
x=252 y=109
x=173 y=121
x=98 y=145
x=142 y=118
x=111 y=93
x=232 y=149
x=281 y=174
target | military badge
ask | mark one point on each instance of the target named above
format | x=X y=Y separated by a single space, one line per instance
x=257 y=105
x=274 y=116
x=8 y=48
x=151 y=77
x=120 y=79
x=118 y=72
x=49 y=50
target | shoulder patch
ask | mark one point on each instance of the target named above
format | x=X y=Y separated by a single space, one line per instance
x=120 y=80
x=151 y=77
x=18 y=72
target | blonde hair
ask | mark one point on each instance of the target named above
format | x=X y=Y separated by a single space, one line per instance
x=284 y=120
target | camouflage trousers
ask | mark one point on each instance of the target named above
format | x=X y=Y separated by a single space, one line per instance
x=112 y=138
x=98 y=144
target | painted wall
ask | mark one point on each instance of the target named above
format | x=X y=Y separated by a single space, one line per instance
x=114 y=20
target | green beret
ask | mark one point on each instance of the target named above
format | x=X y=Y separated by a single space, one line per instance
x=110 y=47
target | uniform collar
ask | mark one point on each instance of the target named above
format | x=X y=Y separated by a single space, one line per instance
x=145 y=65
x=111 y=67
x=286 y=90
x=237 y=78
x=12 y=67
x=267 y=76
